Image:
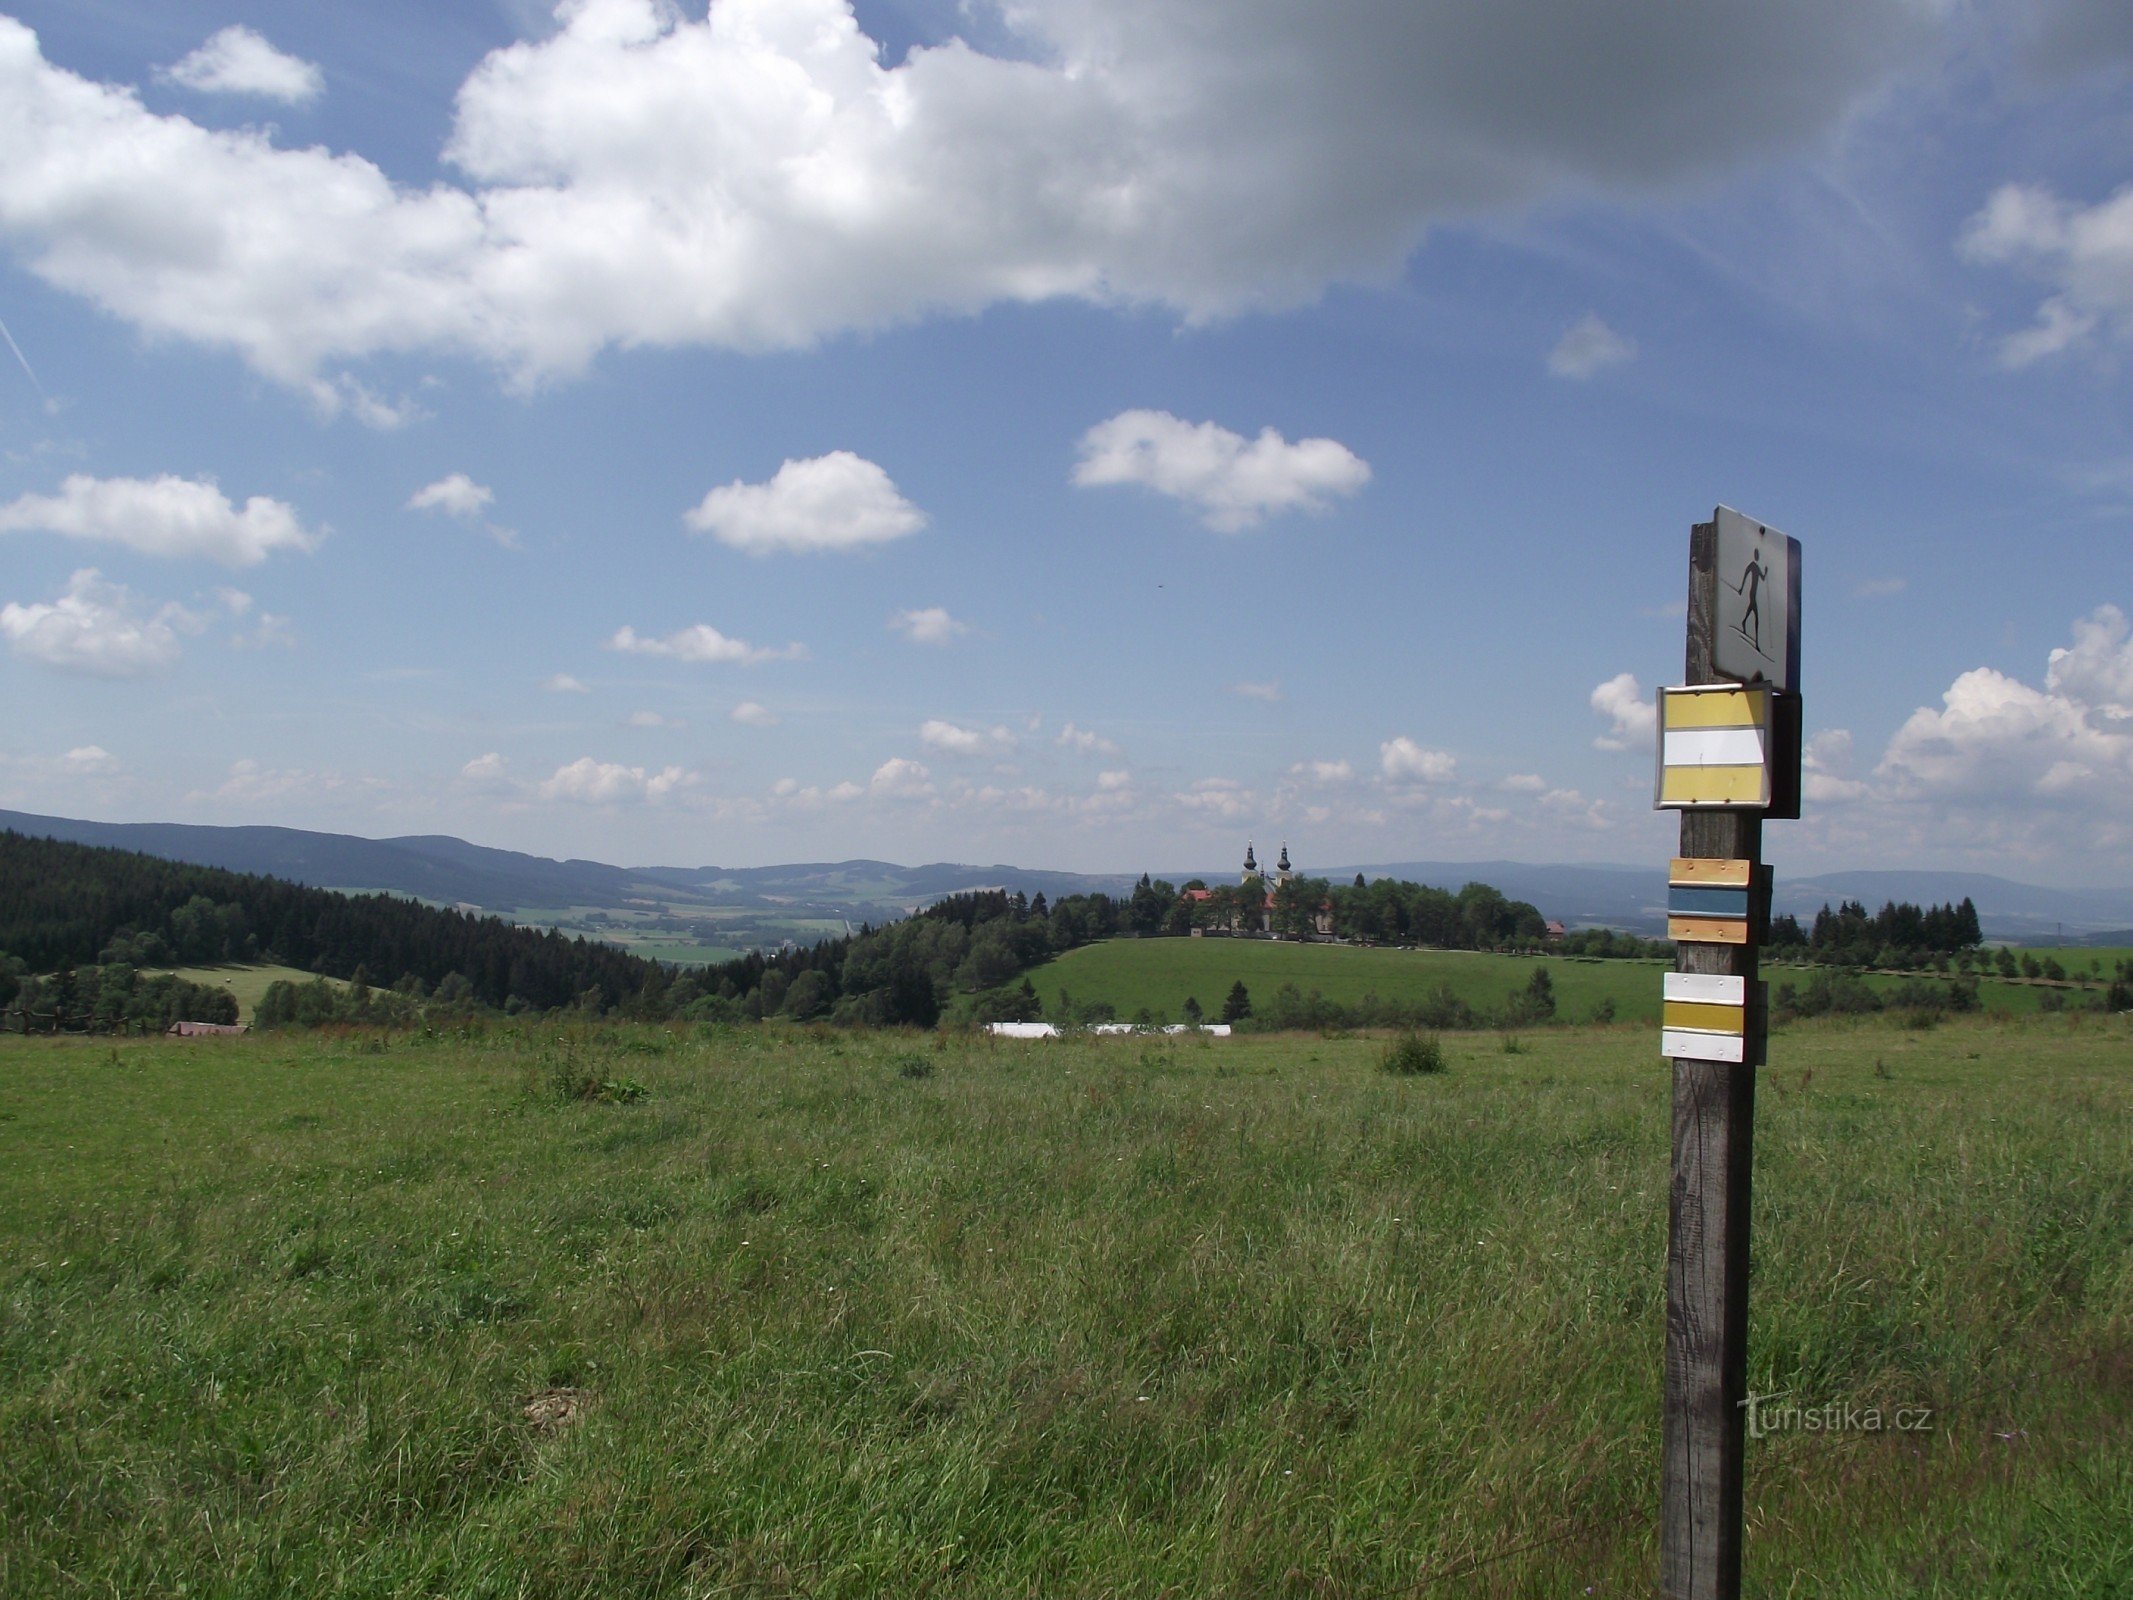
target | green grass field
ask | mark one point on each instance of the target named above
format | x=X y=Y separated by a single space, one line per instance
x=855 y=1315
x=2082 y=964
x=1159 y=974
x=247 y=981
x=635 y=930
x=2077 y=958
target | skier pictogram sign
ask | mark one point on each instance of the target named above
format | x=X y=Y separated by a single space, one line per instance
x=1758 y=620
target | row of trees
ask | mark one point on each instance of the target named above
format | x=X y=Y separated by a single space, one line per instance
x=1389 y=911
x=1899 y=935
x=108 y=998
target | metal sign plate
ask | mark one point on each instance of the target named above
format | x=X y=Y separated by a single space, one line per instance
x=1756 y=635
x=1713 y=748
x=1706 y=1017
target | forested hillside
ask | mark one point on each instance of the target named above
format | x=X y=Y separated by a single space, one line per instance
x=65 y=905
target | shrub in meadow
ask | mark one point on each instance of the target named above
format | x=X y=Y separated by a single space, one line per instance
x=1413 y=1054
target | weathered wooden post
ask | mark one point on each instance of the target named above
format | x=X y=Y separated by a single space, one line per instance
x=1729 y=757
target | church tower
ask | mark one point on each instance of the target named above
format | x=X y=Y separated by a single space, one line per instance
x=1281 y=867
x=1251 y=864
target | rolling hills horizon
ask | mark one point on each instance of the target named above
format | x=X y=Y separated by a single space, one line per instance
x=576 y=892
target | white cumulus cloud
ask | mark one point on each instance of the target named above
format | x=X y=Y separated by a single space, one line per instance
x=345 y=392
x=2082 y=254
x=2097 y=670
x=97 y=628
x=1233 y=482
x=166 y=516
x=1633 y=720
x=455 y=494
x=253 y=782
x=761 y=174
x=900 y=778
x=1566 y=806
x=1826 y=768
x=603 y=783
x=564 y=683
x=798 y=796
x=928 y=625
x=1083 y=742
x=1404 y=761
x=240 y=61
x=1995 y=738
x=1221 y=799
x=2006 y=769
x=487 y=774
x=950 y=739
x=751 y=714
x=1326 y=772
x=1269 y=692
x=835 y=502
x=1588 y=348
x=699 y=643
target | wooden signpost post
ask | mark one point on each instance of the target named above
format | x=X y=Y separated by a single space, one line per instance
x=1729 y=757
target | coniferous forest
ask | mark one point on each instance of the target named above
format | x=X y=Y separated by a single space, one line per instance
x=66 y=905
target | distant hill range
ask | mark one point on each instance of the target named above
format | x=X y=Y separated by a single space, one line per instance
x=453 y=872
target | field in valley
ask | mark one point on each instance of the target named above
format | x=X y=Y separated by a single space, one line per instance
x=842 y=1315
x=685 y=932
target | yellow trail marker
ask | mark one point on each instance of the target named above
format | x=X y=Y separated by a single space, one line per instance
x=1714 y=748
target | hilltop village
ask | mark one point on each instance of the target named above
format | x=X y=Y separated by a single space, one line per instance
x=1285 y=904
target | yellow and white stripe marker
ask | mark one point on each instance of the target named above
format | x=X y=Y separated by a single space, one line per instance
x=1704 y=1017
x=1714 y=747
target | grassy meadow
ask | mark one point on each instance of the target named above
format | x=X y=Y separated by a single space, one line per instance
x=832 y=1314
x=248 y=981
x=1159 y=974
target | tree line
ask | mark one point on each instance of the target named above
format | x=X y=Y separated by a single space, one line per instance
x=71 y=906
x=1900 y=935
x=1387 y=911
x=107 y=999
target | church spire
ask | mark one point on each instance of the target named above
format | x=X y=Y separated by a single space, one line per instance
x=1282 y=866
x=1251 y=862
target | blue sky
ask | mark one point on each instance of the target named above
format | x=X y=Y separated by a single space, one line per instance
x=1060 y=432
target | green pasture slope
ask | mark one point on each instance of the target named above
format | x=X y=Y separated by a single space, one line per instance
x=1159 y=974
x=846 y=1315
x=248 y=981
